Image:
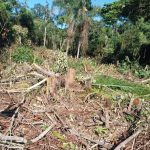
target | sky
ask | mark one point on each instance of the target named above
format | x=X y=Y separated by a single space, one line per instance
x=94 y=2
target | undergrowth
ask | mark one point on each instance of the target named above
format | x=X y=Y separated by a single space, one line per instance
x=135 y=68
x=79 y=64
x=119 y=85
x=25 y=54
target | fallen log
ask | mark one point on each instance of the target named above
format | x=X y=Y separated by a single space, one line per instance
x=45 y=72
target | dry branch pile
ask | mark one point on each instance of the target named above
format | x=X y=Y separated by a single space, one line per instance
x=44 y=110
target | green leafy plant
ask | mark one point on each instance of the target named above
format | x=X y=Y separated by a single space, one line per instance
x=58 y=136
x=130 y=118
x=135 y=68
x=100 y=130
x=38 y=60
x=23 y=54
x=70 y=145
x=44 y=126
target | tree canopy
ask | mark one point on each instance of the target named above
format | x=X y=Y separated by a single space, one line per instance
x=110 y=33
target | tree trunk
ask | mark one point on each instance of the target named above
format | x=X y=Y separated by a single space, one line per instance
x=46 y=18
x=20 y=39
x=68 y=45
x=54 y=46
x=62 y=44
x=78 y=52
x=44 y=44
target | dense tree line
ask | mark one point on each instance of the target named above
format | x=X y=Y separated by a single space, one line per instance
x=113 y=33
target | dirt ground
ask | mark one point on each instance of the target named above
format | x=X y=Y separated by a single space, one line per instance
x=76 y=119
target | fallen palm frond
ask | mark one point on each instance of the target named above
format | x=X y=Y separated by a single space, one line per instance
x=123 y=85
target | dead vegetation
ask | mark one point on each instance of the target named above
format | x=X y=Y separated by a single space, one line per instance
x=41 y=109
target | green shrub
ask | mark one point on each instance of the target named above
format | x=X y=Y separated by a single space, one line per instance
x=61 y=63
x=38 y=60
x=142 y=73
x=134 y=67
x=23 y=54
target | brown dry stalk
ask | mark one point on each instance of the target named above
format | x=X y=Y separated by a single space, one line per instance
x=129 y=139
x=42 y=134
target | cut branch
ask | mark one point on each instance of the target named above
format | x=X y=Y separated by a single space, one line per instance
x=145 y=81
x=45 y=72
x=15 y=139
x=21 y=140
x=42 y=134
x=128 y=139
x=14 y=116
x=36 y=85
